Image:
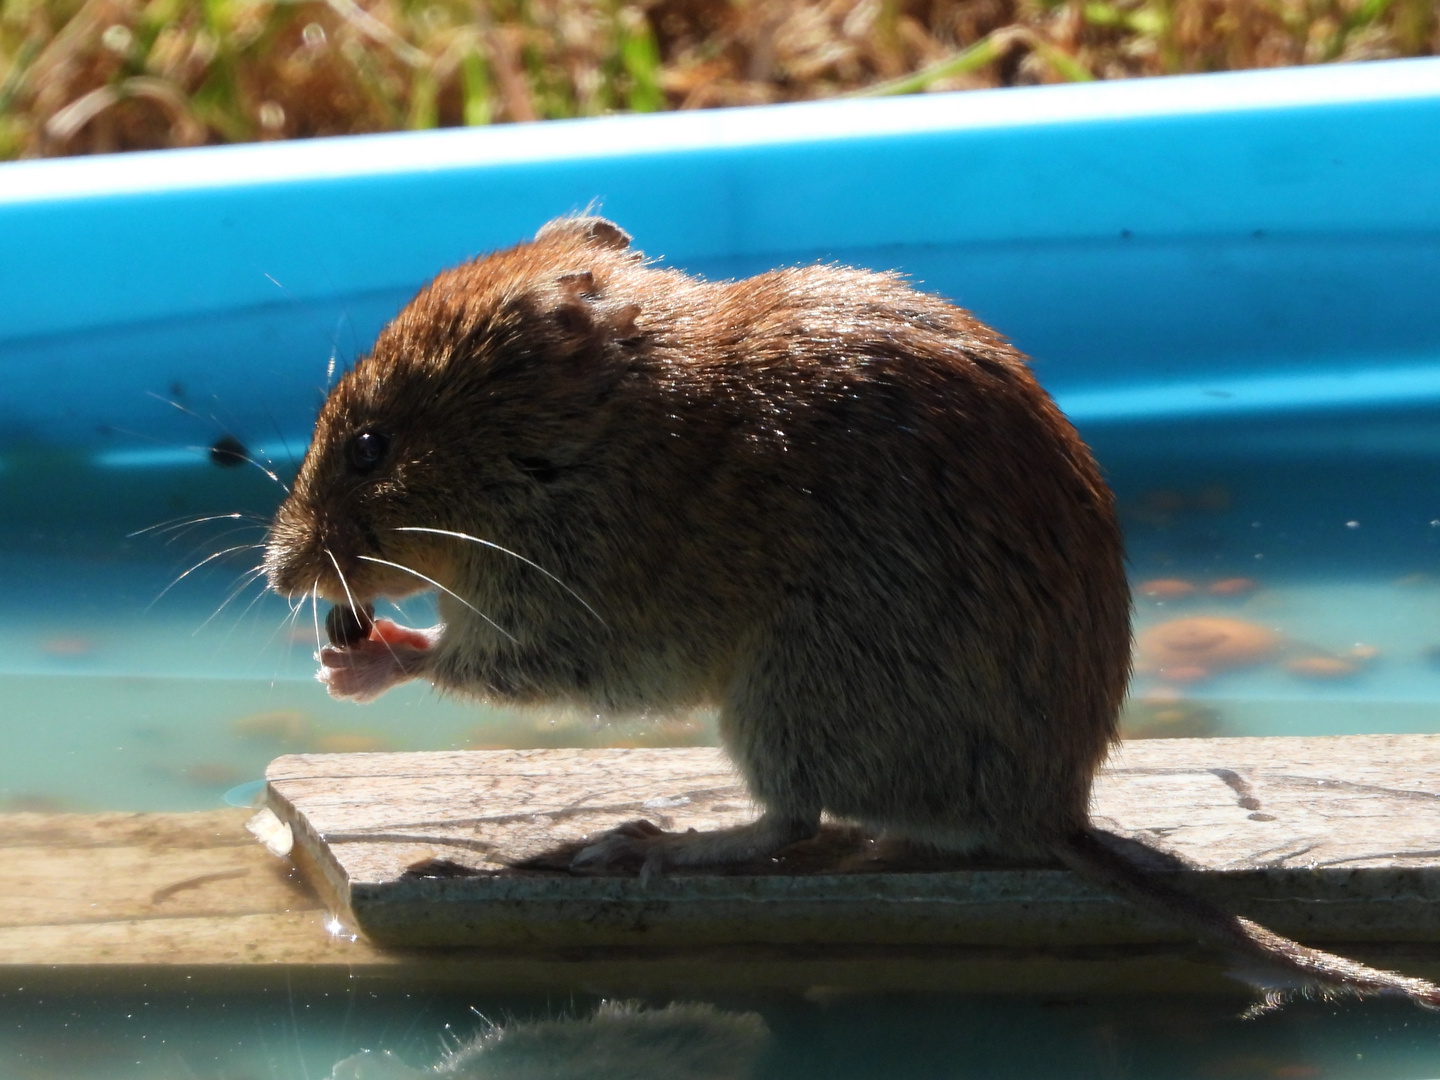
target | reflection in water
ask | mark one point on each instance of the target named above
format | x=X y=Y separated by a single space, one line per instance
x=823 y=1034
x=620 y=1040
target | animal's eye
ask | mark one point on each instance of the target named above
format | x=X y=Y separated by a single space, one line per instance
x=366 y=450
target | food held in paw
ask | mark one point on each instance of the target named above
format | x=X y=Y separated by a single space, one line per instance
x=346 y=625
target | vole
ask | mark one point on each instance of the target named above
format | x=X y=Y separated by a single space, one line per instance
x=839 y=509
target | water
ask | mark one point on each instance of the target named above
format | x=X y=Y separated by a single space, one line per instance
x=1323 y=529
x=818 y=1036
x=125 y=689
x=134 y=683
x=130 y=689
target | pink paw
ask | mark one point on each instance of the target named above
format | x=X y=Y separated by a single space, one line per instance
x=362 y=671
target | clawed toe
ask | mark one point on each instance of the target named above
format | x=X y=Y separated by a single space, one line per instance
x=633 y=842
x=607 y=852
x=641 y=843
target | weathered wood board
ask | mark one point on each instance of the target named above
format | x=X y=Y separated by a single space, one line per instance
x=1332 y=840
x=190 y=903
x=88 y=899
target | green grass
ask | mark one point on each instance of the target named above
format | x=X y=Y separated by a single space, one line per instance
x=84 y=76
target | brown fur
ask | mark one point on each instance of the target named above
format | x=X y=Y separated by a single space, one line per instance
x=840 y=509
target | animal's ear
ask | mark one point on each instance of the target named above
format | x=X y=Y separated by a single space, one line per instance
x=580 y=308
x=622 y=322
x=573 y=312
x=588 y=228
x=576 y=283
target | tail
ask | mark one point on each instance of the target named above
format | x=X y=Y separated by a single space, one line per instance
x=1317 y=973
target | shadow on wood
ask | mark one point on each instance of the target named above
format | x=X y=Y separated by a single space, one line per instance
x=1331 y=840
x=454 y=868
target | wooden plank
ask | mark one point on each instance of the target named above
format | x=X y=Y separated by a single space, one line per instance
x=191 y=903
x=130 y=891
x=1332 y=840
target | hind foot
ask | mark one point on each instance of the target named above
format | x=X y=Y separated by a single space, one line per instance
x=655 y=851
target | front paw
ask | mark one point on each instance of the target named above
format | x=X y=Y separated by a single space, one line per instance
x=365 y=669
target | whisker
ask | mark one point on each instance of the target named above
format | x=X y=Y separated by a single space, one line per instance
x=208 y=559
x=284 y=442
x=268 y=472
x=251 y=574
x=254 y=576
x=199 y=451
x=295 y=608
x=212 y=540
x=202 y=417
x=400 y=613
x=287 y=624
x=176 y=405
x=354 y=608
x=506 y=551
x=145 y=436
x=250 y=578
x=343 y=320
x=213 y=419
x=442 y=588
x=314 y=611
x=172 y=524
x=245 y=526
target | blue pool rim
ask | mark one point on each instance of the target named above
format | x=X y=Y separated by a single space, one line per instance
x=224 y=268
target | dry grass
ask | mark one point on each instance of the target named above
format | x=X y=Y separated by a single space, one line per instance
x=100 y=75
